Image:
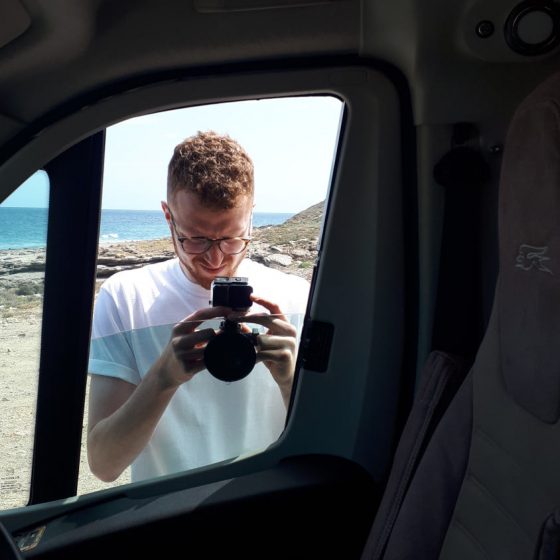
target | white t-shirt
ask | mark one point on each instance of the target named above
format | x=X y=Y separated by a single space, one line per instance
x=207 y=420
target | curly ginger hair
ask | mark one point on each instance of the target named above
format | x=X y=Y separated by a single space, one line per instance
x=214 y=167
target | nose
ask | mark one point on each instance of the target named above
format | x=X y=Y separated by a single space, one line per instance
x=214 y=256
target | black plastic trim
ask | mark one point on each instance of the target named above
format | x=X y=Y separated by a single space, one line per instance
x=316 y=345
x=74 y=210
x=314 y=506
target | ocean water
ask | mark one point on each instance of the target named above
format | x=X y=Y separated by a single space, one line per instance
x=27 y=227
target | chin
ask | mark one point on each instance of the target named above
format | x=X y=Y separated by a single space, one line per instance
x=205 y=277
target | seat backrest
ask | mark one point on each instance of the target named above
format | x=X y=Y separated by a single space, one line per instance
x=442 y=375
x=512 y=481
x=490 y=476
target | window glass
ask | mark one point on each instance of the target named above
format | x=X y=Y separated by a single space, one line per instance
x=166 y=256
x=23 y=235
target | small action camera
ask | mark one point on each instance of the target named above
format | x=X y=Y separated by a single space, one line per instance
x=231 y=354
x=231 y=291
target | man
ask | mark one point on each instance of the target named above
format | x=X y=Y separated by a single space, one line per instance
x=152 y=404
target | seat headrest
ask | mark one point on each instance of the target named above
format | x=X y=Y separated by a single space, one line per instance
x=528 y=289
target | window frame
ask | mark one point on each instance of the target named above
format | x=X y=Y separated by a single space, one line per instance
x=360 y=85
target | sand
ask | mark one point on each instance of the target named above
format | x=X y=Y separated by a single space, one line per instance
x=19 y=362
x=21 y=286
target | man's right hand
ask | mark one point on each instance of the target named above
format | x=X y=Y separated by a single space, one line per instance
x=122 y=416
x=183 y=357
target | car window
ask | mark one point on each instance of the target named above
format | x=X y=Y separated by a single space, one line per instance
x=23 y=236
x=143 y=290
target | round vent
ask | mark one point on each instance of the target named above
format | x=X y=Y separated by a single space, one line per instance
x=533 y=27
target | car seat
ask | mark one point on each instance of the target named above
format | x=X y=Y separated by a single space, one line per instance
x=488 y=484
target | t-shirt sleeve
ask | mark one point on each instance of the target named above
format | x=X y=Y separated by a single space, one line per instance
x=110 y=350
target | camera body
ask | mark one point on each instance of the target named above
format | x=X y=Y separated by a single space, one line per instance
x=231 y=291
x=231 y=355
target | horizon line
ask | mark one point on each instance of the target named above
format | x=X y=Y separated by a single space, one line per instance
x=139 y=209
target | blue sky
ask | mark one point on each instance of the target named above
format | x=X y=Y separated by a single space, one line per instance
x=291 y=142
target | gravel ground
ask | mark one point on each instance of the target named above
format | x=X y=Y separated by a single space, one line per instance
x=19 y=361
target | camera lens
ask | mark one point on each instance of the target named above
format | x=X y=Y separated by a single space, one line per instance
x=231 y=355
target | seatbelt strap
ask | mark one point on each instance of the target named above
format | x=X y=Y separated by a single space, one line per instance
x=458 y=318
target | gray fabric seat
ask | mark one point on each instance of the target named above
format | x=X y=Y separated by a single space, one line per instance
x=490 y=476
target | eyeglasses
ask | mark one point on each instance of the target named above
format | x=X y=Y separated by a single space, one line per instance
x=199 y=245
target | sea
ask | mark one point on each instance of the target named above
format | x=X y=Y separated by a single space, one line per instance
x=27 y=227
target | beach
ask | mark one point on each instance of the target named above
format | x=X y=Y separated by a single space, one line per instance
x=291 y=249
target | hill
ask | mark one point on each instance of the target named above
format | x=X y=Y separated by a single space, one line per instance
x=291 y=246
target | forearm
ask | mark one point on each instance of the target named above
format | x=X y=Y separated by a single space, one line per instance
x=115 y=441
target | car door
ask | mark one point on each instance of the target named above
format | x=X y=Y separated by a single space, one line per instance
x=316 y=489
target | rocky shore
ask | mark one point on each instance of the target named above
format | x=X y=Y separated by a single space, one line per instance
x=290 y=247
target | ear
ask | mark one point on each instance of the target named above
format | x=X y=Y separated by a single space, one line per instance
x=166 y=212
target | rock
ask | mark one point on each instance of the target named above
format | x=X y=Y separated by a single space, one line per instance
x=106 y=271
x=282 y=260
x=300 y=253
x=115 y=260
x=118 y=257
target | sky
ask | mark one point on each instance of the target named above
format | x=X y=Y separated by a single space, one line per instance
x=291 y=141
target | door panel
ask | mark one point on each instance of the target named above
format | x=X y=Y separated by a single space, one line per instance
x=348 y=410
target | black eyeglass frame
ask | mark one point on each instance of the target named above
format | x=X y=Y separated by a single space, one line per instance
x=209 y=241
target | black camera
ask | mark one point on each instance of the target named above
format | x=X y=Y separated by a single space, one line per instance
x=231 y=354
x=233 y=292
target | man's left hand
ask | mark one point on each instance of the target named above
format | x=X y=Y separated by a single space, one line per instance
x=276 y=349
